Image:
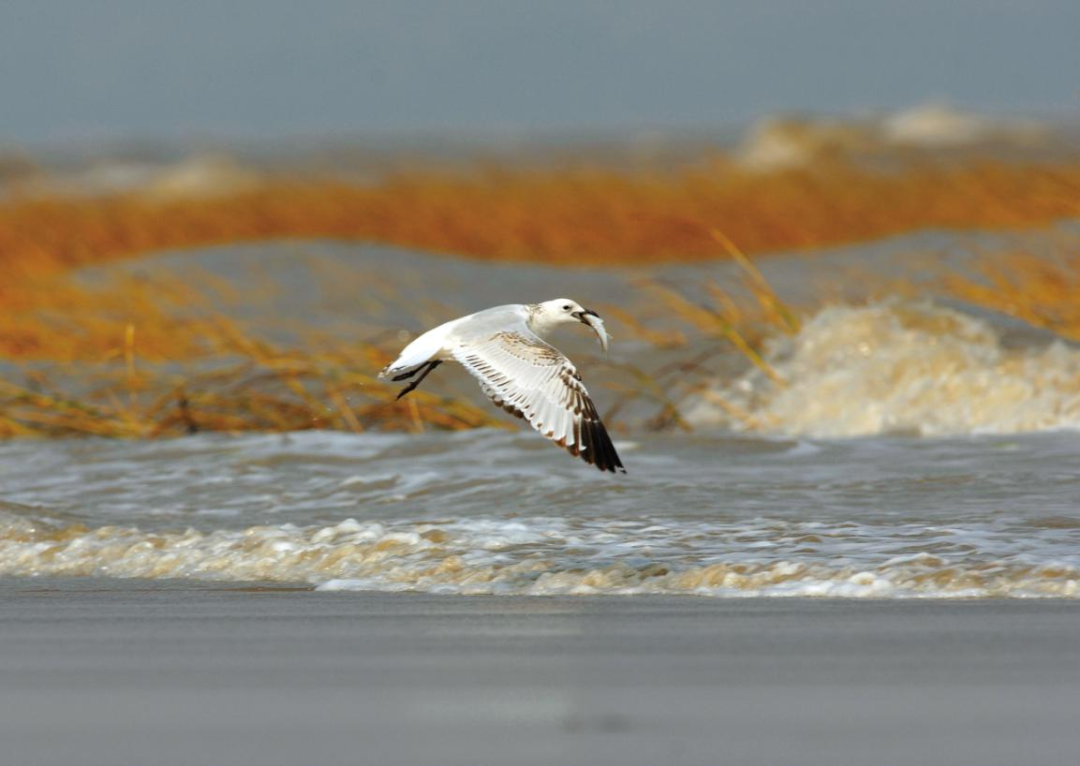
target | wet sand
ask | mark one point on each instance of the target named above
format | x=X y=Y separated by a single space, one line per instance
x=110 y=672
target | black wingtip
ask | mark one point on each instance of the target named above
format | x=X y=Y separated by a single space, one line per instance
x=598 y=448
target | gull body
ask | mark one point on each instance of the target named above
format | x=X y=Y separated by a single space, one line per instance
x=505 y=348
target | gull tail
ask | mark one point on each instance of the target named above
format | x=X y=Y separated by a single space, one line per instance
x=412 y=358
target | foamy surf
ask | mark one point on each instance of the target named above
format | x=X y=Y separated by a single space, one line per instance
x=548 y=556
x=900 y=368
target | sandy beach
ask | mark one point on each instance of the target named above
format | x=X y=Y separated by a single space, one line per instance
x=109 y=672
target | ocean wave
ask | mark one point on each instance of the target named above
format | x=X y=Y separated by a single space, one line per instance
x=900 y=368
x=781 y=142
x=548 y=556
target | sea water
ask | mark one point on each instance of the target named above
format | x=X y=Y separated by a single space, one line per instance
x=900 y=449
x=504 y=513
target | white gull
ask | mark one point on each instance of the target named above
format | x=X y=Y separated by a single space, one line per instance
x=504 y=349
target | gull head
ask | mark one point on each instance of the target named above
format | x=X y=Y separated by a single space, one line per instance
x=550 y=314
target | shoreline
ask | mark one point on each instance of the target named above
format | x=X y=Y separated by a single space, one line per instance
x=104 y=672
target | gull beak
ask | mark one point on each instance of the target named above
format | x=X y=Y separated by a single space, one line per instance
x=593 y=320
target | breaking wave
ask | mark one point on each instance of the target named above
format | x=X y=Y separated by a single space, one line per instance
x=900 y=368
x=546 y=556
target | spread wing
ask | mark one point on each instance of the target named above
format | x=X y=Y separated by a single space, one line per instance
x=534 y=381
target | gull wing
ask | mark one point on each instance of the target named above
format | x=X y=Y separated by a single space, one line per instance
x=534 y=381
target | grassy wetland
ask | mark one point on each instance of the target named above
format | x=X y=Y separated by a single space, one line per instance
x=136 y=356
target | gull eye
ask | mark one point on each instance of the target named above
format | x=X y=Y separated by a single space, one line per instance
x=566 y=307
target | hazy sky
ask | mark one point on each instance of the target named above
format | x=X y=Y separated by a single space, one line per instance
x=271 y=68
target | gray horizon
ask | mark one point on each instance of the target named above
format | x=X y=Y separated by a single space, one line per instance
x=273 y=69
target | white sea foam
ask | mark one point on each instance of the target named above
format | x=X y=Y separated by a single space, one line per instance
x=899 y=367
x=782 y=142
x=546 y=556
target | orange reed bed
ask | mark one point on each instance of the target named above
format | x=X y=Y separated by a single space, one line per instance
x=1043 y=291
x=249 y=385
x=567 y=216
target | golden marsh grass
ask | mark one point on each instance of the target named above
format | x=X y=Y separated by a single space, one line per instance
x=131 y=346
x=572 y=215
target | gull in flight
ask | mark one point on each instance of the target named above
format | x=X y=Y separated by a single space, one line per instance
x=504 y=349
